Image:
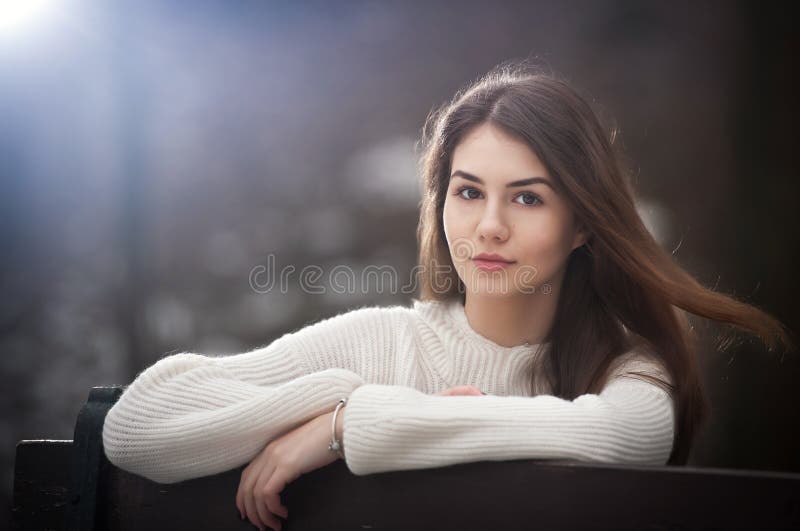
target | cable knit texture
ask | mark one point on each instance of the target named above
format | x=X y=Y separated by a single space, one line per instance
x=191 y=415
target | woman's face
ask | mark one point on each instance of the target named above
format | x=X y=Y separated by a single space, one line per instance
x=487 y=211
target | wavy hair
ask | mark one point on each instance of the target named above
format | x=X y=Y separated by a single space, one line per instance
x=621 y=288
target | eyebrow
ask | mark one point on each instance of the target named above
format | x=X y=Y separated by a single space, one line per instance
x=521 y=182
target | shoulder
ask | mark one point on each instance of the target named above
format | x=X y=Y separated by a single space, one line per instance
x=640 y=362
x=369 y=313
x=366 y=320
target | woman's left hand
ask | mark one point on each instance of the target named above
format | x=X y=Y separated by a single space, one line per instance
x=282 y=461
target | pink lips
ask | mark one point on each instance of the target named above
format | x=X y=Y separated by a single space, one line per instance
x=490 y=265
x=491 y=262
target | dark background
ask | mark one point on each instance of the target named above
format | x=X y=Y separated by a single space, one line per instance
x=153 y=153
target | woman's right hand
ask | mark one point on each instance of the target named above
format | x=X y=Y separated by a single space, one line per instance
x=461 y=390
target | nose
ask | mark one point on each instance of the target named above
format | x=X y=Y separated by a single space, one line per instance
x=492 y=225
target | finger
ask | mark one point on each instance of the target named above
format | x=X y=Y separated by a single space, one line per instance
x=463 y=390
x=267 y=517
x=261 y=508
x=272 y=494
x=254 y=510
x=240 y=493
x=238 y=500
x=273 y=503
x=251 y=511
x=266 y=514
x=247 y=481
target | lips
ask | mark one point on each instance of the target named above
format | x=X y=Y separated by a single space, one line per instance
x=492 y=257
x=491 y=261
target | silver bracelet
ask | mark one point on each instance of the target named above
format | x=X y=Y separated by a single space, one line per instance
x=335 y=446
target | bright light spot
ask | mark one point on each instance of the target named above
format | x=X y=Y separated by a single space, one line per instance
x=385 y=174
x=17 y=14
x=657 y=219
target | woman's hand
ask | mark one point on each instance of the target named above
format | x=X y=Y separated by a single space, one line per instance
x=282 y=461
x=461 y=390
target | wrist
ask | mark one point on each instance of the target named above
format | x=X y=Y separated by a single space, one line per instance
x=336 y=428
x=340 y=423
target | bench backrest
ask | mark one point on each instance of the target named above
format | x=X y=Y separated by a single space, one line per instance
x=71 y=485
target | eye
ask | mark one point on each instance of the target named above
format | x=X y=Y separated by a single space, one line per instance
x=529 y=199
x=460 y=192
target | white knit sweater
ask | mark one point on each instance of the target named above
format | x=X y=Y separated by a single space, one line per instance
x=192 y=415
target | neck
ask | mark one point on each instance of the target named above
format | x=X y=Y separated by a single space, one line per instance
x=512 y=320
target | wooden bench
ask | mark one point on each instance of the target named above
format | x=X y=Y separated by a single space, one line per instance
x=70 y=485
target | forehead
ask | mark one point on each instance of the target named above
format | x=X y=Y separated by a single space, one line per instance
x=494 y=154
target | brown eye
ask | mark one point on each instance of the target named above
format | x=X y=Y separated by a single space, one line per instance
x=468 y=189
x=529 y=199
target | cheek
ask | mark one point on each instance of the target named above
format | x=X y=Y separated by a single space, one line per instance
x=451 y=221
x=546 y=244
x=457 y=231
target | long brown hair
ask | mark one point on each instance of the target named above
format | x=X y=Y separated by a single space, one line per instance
x=621 y=288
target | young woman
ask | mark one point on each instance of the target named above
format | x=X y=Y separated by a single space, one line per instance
x=542 y=294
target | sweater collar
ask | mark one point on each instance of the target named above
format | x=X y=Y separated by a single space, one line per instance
x=466 y=357
x=454 y=312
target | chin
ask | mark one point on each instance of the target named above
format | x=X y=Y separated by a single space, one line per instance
x=489 y=288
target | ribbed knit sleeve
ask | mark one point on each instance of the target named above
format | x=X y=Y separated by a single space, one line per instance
x=191 y=415
x=396 y=428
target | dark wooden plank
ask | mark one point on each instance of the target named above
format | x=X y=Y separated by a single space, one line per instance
x=526 y=494
x=41 y=485
x=89 y=462
x=490 y=495
x=520 y=494
x=136 y=503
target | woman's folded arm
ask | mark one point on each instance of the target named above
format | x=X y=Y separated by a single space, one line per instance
x=396 y=428
x=191 y=415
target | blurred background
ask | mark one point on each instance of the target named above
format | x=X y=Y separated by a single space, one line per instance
x=154 y=155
